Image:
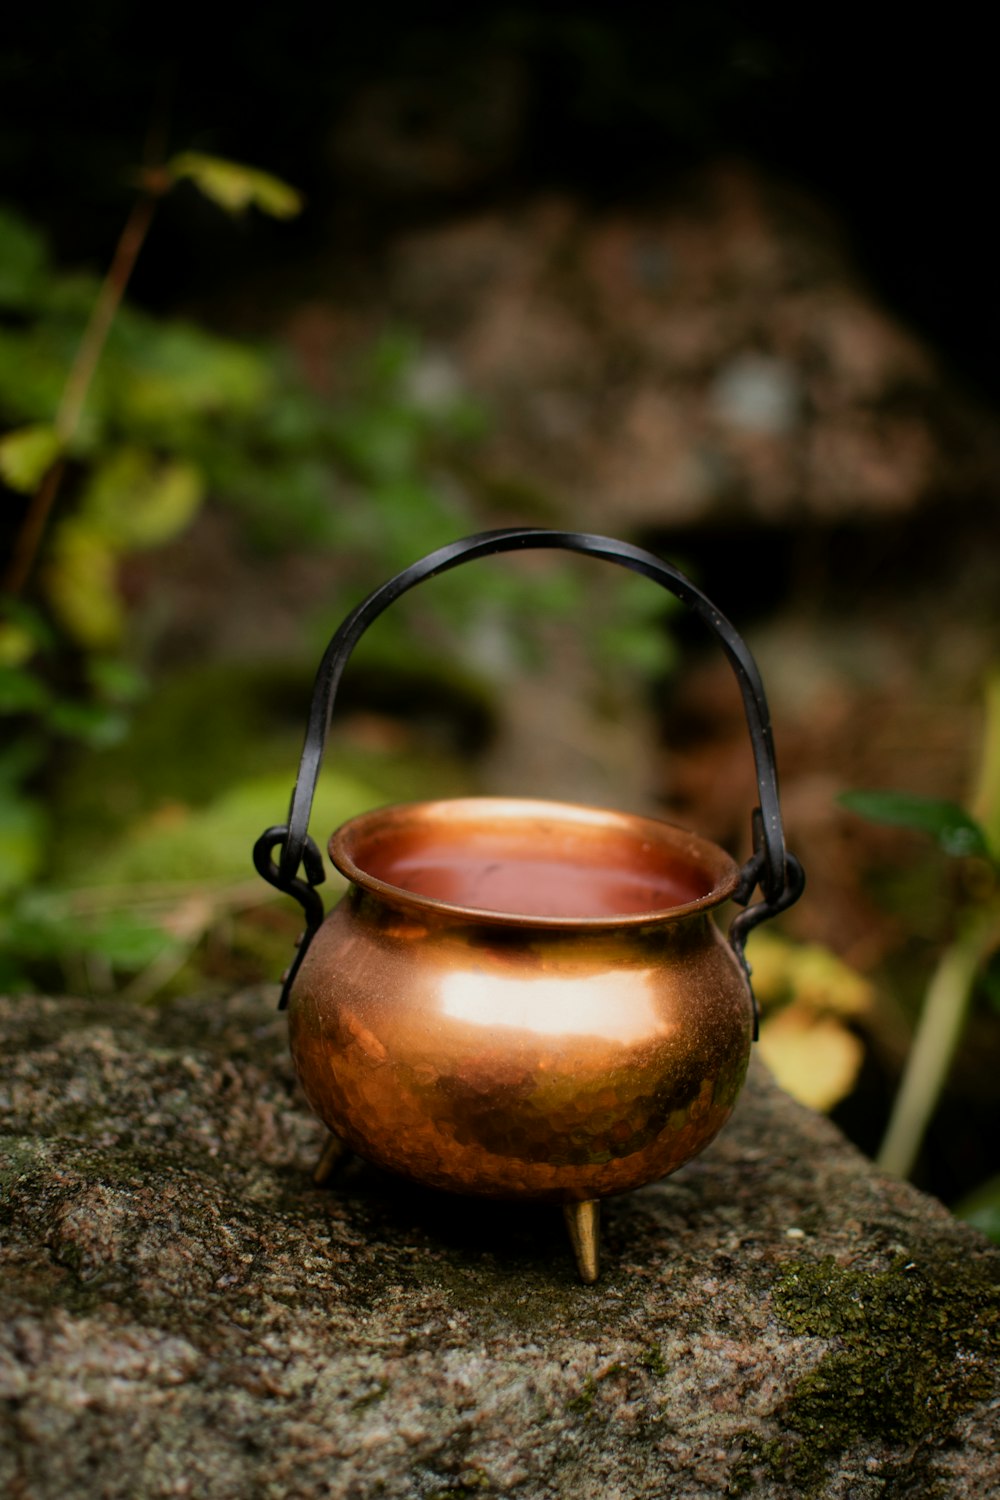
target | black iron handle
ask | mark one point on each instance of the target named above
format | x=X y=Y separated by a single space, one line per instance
x=778 y=873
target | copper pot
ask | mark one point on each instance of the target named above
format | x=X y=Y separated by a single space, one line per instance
x=520 y=998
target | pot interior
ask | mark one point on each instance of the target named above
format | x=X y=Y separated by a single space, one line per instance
x=534 y=862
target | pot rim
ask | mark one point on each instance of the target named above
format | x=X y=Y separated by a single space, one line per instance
x=709 y=858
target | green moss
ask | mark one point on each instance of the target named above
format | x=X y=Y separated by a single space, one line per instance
x=654 y=1362
x=913 y=1346
x=471 y=1482
x=19 y=1155
x=472 y=1486
x=582 y=1404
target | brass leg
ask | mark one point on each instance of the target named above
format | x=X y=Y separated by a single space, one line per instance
x=583 y=1220
x=334 y=1152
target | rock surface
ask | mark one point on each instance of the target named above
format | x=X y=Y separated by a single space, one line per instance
x=185 y=1314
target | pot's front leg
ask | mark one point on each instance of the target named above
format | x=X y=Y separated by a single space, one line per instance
x=583 y=1220
x=335 y=1153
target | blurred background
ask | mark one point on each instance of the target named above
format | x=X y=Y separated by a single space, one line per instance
x=286 y=306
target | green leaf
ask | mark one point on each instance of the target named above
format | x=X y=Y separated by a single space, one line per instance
x=23 y=260
x=116 y=681
x=43 y=926
x=33 y=366
x=18 y=760
x=234 y=186
x=134 y=501
x=164 y=381
x=381 y=444
x=982 y=1208
x=83 y=586
x=17 y=645
x=94 y=723
x=127 y=940
x=284 y=505
x=390 y=360
x=644 y=650
x=27 y=624
x=21 y=691
x=22 y=839
x=26 y=454
x=955 y=831
x=215 y=842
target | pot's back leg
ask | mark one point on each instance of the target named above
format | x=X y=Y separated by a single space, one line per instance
x=583 y=1220
x=335 y=1153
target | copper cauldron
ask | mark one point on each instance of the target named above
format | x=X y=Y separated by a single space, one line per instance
x=519 y=998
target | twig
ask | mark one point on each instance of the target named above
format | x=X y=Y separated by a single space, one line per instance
x=165 y=893
x=81 y=375
x=29 y=537
x=108 y=301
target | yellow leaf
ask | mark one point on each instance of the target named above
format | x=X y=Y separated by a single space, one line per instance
x=807 y=974
x=132 y=500
x=82 y=584
x=814 y=1058
x=17 y=645
x=236 y=187
x=22 y=842
x=26 y=454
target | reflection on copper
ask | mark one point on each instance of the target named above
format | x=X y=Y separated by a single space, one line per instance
x=614 y=1006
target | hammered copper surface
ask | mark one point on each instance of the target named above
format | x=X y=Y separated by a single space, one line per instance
x=523 y=999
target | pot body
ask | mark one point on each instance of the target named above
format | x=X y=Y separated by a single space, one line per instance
x=563 y=1051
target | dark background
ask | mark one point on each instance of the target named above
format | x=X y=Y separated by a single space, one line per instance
x=888 y=117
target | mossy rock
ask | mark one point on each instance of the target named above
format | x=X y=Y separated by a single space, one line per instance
x=183 y=1311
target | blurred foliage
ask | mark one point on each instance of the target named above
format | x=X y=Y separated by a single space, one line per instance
x=966 y=971
x=168 y=418
x=234 y=186
x=147 y=903
x=982 y=1209
x=809 y=999
x=952 y=828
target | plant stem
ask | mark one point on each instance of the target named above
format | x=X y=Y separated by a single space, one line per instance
x=29 y=537
x=947 y=1000
x=78 y=382
x=985 y=804
x=940 y=1027
x=108 y=301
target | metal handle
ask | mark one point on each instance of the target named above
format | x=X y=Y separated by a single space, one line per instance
x=777 y=872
